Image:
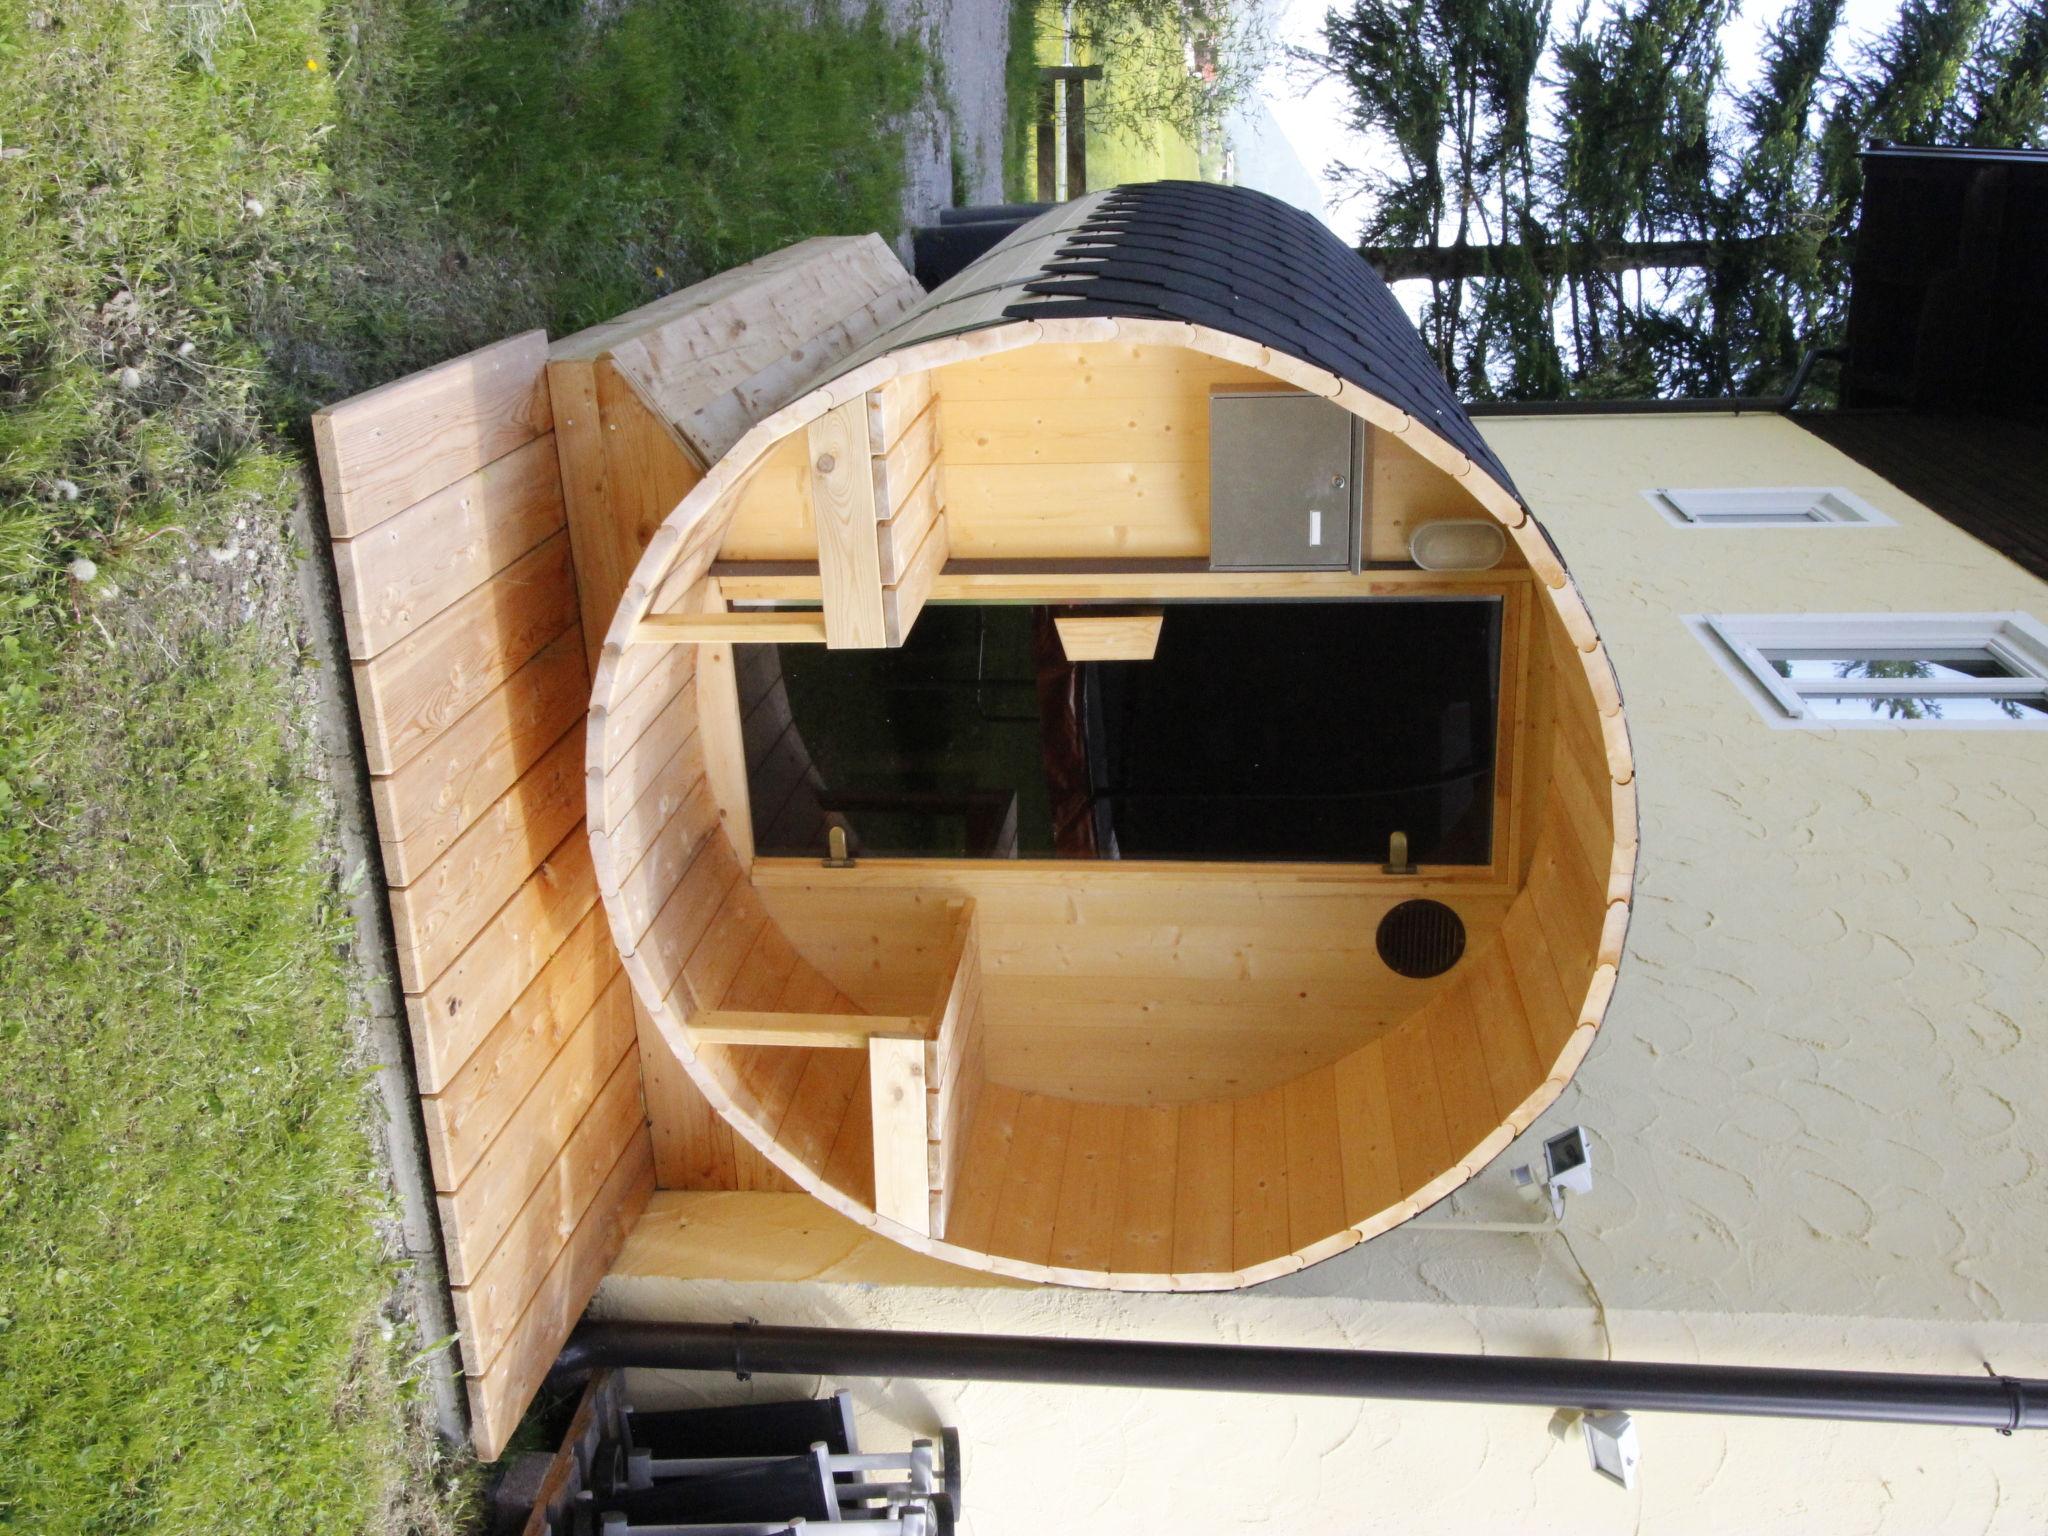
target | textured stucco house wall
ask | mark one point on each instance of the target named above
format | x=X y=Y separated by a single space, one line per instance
x=1815 y=1104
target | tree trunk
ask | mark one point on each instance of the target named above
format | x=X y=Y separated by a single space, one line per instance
x=1454 y=263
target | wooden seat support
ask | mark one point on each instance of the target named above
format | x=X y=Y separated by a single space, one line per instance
x=924 y=1076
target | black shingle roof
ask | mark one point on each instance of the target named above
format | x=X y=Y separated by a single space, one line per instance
x=1228 y=258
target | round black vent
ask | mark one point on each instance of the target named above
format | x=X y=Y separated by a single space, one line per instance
x=1421 y=938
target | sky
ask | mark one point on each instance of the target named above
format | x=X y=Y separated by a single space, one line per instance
x=1310 y=115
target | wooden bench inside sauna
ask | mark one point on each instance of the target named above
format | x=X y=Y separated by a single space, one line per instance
x=1047 y=804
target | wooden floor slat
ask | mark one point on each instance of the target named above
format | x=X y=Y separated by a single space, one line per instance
x=1030 y=1196
x=1203 y=1178
x=1084 y=1219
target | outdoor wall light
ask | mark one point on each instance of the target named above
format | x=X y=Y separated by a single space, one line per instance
x=1610 y=1438
x=1567 y=1165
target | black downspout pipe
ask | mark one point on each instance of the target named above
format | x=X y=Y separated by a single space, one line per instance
x=2003 y=1403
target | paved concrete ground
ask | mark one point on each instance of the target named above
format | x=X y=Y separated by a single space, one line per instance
x=964 y=114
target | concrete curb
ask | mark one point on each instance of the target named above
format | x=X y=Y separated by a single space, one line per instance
x=374 y=954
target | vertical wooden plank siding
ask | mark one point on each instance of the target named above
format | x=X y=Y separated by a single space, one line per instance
x=459 y=598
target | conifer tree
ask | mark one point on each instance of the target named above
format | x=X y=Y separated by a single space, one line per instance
x=1597 y=213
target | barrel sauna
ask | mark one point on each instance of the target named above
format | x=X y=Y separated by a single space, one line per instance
x=1313 y=892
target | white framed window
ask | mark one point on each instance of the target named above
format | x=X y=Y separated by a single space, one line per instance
x=1794 y=506
x=1942 y=670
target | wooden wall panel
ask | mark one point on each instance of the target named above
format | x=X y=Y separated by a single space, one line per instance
x=441 y=791
x=410 y=694
x=397 y=575
x=396 y=445
x=1135 y=986
x=485 y=526
x=460 y=601
x=1099 y=449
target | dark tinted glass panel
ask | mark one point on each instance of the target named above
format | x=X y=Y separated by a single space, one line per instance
x=1265 y=731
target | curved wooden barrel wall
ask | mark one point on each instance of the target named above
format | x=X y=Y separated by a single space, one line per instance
x=1137 y=1188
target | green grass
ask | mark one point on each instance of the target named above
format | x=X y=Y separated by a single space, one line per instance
x=1020 y=81
x=1126 y=142
x=212 y=217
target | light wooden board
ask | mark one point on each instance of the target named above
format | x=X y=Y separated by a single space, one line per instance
x=498 y=1398
x=442 y=790
x=1110 y=636
x=539 y=1125
x=1406 y=491
x=1078 y=429
x=894 y=404
x=1119 y=984
x=899 y=538
x=466 y=1116
x=714 y=359
x=1140 y=581
x=385 y=450
x=1094 y=450
x=400 y=573
x=410 y=693
x=623 y=470
x=494 y=1225
x=1143 y=1243
x=436 y=917
x=459 y=597
x=1029 y=1199
x=1205 y=1157
x=904 y=460
x=1259 y=1201
x=1127 y=510
x=455 y=1011
x=742 y=627
x=1365 y=1134
x=970 y=1217
x=771 y=517
x=904 y=599
x=523 y=1243
x=723 y=1236
x=828 y=1031
x=896 y=1098
x=843 y=503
